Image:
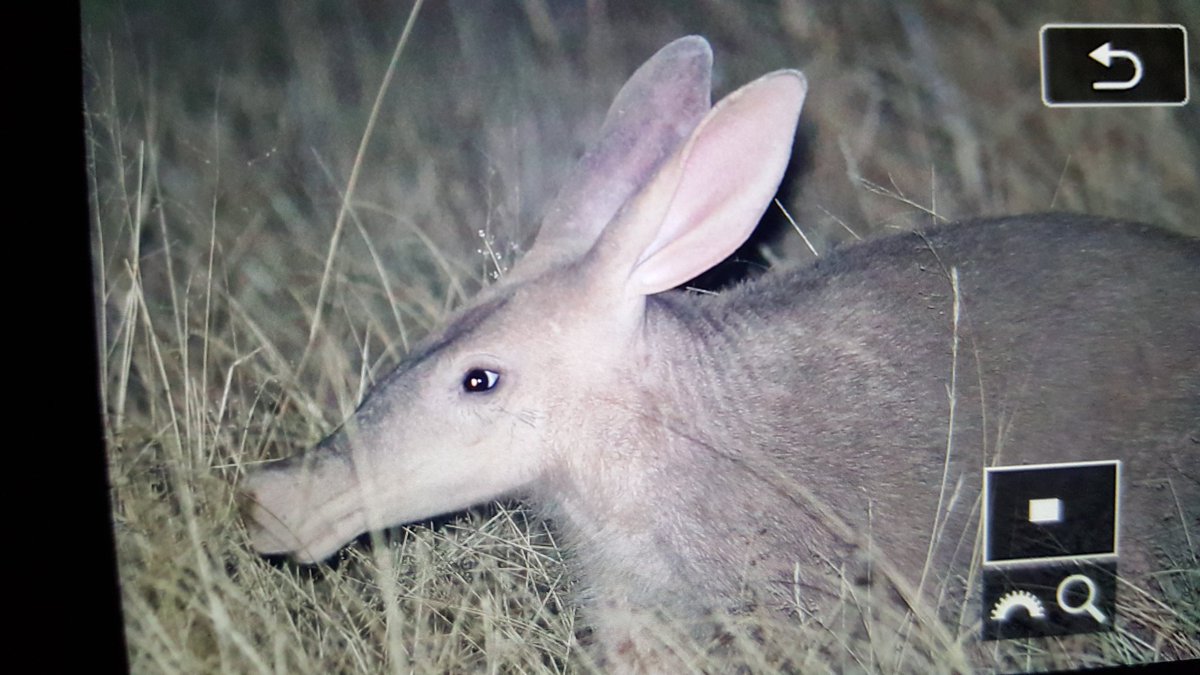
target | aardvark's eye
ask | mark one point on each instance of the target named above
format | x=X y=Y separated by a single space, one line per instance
x=480 y=379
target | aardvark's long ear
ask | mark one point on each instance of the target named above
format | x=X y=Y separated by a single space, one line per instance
x=652 y=115
x=704 y=202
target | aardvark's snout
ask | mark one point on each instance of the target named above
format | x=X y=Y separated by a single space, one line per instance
x=301 y=508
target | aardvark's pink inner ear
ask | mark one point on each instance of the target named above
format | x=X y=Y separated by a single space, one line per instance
x=707 y=200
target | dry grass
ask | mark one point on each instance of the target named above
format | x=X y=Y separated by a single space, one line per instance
x=222 y=141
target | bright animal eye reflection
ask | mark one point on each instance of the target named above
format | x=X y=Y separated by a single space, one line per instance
x=480 y=379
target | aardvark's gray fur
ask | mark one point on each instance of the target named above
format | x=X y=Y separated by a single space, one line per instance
x=709 y=452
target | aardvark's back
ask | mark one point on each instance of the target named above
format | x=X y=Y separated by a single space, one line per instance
x=832 y=416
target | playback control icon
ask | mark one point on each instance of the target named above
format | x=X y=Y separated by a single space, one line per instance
x=1050 y=535
x=1089 y=65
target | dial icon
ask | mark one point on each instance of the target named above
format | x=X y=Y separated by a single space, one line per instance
x=1005 y=605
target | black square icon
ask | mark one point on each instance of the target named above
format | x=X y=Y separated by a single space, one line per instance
x=1050 y=511
x=1114 y=65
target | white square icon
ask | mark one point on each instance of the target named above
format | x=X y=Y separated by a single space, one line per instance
x=1045 y=510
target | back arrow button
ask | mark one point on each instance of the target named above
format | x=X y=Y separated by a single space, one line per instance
x=1105 y=55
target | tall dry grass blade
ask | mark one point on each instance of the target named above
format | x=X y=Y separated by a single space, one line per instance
x=352 y=182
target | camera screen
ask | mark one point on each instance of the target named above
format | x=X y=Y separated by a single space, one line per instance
x=549 y=336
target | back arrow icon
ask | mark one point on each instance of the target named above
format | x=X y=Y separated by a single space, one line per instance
x=1105 y=54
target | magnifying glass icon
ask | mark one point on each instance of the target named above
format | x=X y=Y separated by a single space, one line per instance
x=1088 y=602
